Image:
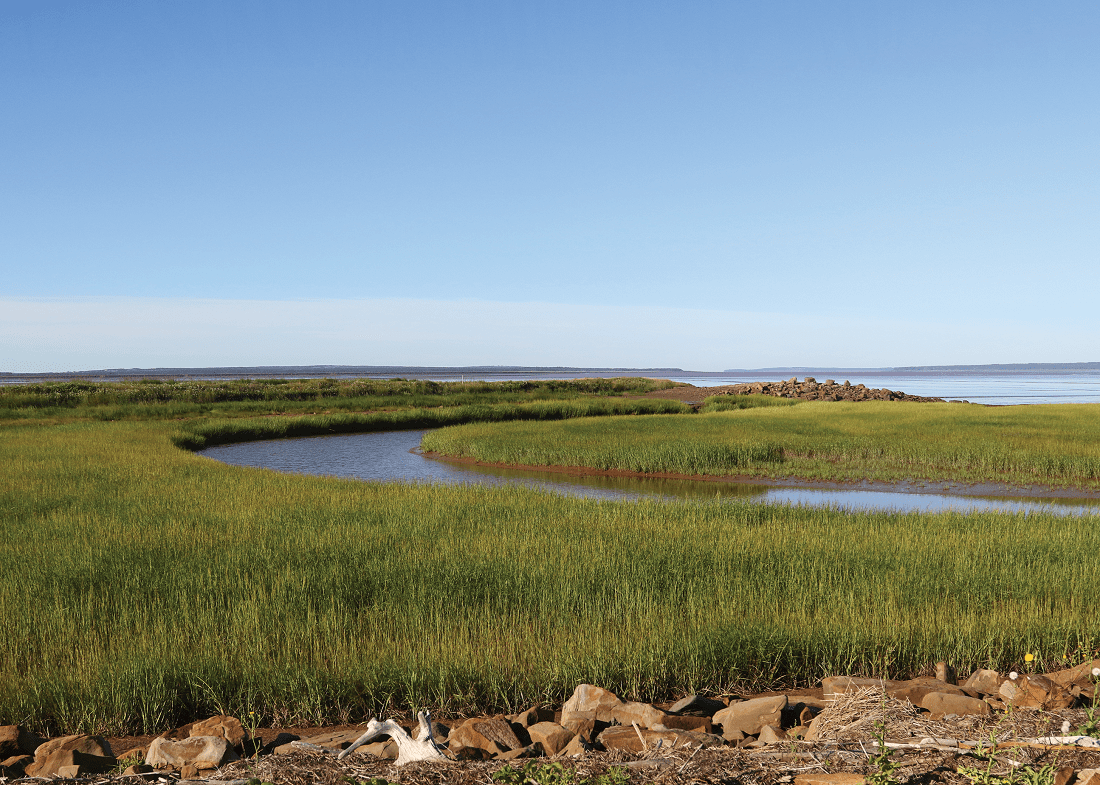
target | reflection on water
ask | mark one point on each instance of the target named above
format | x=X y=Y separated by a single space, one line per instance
x=388 y=457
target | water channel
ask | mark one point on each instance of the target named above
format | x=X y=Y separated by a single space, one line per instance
x=391 y=457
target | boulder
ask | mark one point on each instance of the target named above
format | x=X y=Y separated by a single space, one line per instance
x=229 y=728
x=750 y=716
x=771 y=734
x=576 y=748
x=629 y=739
x=533 y=716
x=579 y=725
x=16 y=740
x=533 y=750
x=642 y=713
x=697 y=706
x=1080 y=674
x=590 y=700
x=15 y=766
x=552 y=736
x=480 y=734
x=985 y=681
x=943 y=703
x=165 y=753
x=72 y=756
x=1035 y=691
x=1088 y=777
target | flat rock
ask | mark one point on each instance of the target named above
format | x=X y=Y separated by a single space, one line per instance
x=337 y=740
x=941 y=703
x=533 y=750
x=72 y=756
x=642 y=713
x=1088 y=777
x=164 y=752
x=15 y=766
x=750 y=716
x=627 y=739
x=468 y=737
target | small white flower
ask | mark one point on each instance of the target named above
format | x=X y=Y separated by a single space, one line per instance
x=1014 y=675
x=1065 y=727
x=1096 y=671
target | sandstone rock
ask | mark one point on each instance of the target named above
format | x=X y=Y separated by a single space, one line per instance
x=770 y=734
x=334 y=740
x=15 y=766
x=915 y=690
x=838 y=778
x=626 y=738
x=1088 y=777
x=78 y=755
x=136 y=769
x=1034 y=691
x=576 y=748
x=941 y=703
x=642 y=713
x=1008 y=690
x=16 y=740
x=580 y=723
x=587 y=699
x=945 y=673
x=697 y=705
x=733 y=735
x=188 y=772
x=499 y=731
x=164 y=752
x=533 y=716
x=533 y=750
x=1080 y=674
x=229 y=728
x=688 y=722
x=386 y=750
x=750 y=716
x=552 y=736
x=468 y=735
x=984 y=681
x=1064 y=775
x=833 y=686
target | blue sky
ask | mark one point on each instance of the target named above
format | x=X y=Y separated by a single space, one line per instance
x=702 y=185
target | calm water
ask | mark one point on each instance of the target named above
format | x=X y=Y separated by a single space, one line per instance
x=387 y=457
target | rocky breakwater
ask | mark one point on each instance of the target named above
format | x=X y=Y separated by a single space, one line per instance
x=809 y=389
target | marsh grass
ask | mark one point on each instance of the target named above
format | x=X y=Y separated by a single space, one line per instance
x=1055 y=445
x=729 y=403
x=142 y=586
x=160 y=399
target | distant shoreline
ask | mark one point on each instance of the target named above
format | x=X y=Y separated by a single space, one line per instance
x=476 y=371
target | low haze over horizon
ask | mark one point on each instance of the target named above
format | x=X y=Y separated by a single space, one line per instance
x=709 y=185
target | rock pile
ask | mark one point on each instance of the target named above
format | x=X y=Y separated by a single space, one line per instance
x=809 y=389
x=595 y=719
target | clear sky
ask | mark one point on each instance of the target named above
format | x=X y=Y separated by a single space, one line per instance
x=697 y=184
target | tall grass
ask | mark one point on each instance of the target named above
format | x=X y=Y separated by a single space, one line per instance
x=1057 y=445
x=206 y=433
x=141 y=585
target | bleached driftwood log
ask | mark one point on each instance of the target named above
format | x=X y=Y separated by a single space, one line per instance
x=423 y=747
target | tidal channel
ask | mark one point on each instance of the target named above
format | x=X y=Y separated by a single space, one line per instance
x=392 y=457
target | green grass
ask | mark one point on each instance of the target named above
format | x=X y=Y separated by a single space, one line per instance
x=884 y=441
x=142 y=586
x=156 y=399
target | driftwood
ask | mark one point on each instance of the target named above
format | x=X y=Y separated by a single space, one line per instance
x=423 y=747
